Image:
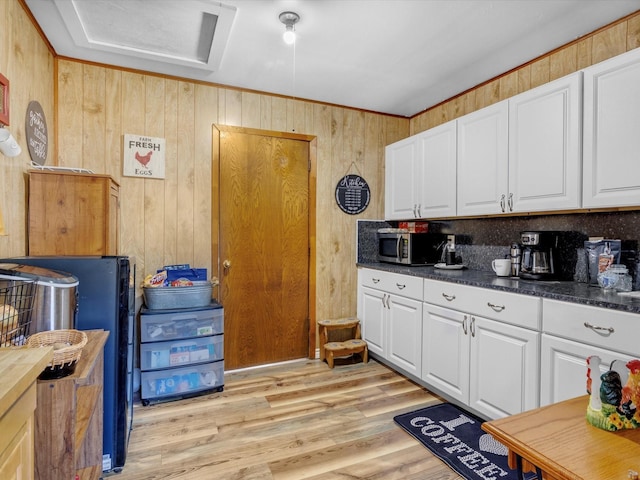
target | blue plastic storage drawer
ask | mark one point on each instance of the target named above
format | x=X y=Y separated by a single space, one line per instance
x=182 y=381
x=181 y=352
x=176 y=325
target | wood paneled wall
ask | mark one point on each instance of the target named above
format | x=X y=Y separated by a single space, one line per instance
x=29 y=66
x=607 y=42
x=169 y=221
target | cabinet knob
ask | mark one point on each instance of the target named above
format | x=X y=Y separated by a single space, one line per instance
x=226 y=265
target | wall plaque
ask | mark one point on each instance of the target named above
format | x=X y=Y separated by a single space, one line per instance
x=353 y=194
x=143 y=156
x=36 y=132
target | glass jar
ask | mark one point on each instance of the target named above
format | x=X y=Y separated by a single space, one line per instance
x=615 y=278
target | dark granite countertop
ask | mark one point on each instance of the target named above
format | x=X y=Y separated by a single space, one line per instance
x=565 y=291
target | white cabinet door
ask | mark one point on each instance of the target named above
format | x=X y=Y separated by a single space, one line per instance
x=437 y=171
x=401 y=180
x=372 y=314
x=504 y=370
x=564 y=368
x=545 y=147
x=611 y=151
x=445 y=351
x=405 y=333
x=483 y=161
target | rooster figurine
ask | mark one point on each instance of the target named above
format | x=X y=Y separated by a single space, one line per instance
x=614 y=395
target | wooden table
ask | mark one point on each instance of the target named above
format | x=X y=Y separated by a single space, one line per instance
x=559 y=440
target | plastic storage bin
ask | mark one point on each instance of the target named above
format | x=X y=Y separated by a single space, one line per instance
x=181 y=352
x=180 y=324
x=182 y=381
x=163 y=298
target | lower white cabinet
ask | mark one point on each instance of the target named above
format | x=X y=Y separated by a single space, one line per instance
x=392 y=323
x=488 y=365
x=572 y=333
x=564 y=367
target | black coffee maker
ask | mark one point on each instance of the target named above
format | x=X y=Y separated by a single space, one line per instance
x=549 y=255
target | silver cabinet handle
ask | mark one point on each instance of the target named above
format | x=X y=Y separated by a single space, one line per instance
x=595 y=328
x=473 y=326
x=510 y=202
x=419 y=213
x=502 y=203
x=400 y=286
x=375 y=280
x=384 y=300
x=448 y=298
x=464 y=325
x=497 y=308
x=415 y=210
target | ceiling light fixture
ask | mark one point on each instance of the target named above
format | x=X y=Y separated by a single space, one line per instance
x=289 y=19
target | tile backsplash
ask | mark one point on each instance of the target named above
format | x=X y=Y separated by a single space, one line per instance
x=483 y=239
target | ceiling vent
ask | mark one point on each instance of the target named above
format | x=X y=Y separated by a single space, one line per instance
x=191 y=33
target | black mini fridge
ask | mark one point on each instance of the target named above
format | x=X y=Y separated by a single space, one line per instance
x=106 y=300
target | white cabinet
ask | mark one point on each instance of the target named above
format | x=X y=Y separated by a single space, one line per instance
x=390 y=309
x=437 y=160
x=545 y=147
x=490 y=365
x=572 y=333
x=483 y=161
x=611 y=126
x=401 y=180
x=523 y=154
x=421 y=175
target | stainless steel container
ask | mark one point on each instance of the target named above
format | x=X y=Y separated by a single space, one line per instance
x=515 y=254
x=56 y=302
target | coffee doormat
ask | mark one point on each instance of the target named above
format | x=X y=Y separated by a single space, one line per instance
x=455 y=437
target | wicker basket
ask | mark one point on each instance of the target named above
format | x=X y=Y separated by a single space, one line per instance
x=75 y=340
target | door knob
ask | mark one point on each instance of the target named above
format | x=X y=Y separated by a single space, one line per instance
x=226 y=265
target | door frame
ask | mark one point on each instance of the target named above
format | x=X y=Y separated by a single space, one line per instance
x=215 y=209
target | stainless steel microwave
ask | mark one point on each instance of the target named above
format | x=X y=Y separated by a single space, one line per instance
x=410 y=248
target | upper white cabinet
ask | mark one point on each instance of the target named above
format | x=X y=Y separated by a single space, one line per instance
x=483 y=161
x=545 y=147
x=421 y=175
x=523 y=154
x=401 y=179
x=437 y=151
x=611 y=152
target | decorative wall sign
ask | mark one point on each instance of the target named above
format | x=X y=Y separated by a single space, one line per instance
x=37 y=133
x=4 y=100
x=353 y=194
x=143 y=156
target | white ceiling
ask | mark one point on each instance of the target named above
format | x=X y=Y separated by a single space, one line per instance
x=390 y=56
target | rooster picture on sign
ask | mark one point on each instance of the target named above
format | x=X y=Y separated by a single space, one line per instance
x=143 y=156
x=144 y=159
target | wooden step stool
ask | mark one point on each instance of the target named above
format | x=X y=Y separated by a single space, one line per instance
x=329 y=350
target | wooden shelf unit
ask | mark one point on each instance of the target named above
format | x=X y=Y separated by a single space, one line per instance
x=73 y=213
x=69 y=418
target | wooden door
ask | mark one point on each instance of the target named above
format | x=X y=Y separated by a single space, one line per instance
x=264 y=246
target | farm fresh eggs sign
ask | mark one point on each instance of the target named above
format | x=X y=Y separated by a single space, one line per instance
x=143 y=156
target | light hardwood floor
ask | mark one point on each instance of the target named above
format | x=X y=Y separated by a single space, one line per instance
x=298 y=420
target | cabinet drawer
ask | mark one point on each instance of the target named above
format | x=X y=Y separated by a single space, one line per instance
x=404 y=285
x=157 y=355
x=176 y=325
x=601 y=327
x=181 y=381
x=520 y=310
